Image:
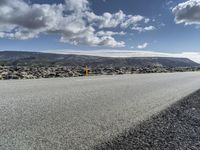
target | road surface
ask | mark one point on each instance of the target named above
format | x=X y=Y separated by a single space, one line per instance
x=79 y=113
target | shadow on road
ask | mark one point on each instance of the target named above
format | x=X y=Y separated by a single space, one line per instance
x=177 y=127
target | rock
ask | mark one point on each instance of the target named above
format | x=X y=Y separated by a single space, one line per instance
x=32 y=72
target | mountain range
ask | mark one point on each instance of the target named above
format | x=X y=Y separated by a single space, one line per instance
x=22 y=58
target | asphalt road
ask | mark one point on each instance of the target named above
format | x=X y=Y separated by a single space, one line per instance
x=174 y=128
x=79 y=113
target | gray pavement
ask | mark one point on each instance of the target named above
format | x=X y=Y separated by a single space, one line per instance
x=79 y=113
x=174 y=128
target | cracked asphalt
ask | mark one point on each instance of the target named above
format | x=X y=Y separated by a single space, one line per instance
x=80 y=113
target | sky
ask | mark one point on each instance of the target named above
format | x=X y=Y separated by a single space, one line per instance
x=107 y=26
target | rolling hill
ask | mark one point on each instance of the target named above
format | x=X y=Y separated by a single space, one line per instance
x=16 y=58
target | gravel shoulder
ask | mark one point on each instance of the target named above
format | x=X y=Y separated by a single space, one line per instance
x=177 y=127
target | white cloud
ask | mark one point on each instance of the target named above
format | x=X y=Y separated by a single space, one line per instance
x=133 y=21
x=74 y=21
x=142 y=46
x=195 y=56
x=187 y=12
x=144 y=29
x=109 y=33
x=169 y=2
x=107 y=20
x=77 y=5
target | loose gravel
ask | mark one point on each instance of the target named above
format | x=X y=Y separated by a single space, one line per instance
x=176 y=128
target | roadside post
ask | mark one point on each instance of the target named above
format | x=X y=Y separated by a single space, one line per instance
x=86 y=71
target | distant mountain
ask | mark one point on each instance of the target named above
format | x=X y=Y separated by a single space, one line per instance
x=49 y=59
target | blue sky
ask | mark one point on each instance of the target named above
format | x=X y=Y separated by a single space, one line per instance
x=153 y=26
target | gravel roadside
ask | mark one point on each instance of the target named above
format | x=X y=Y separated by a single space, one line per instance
x=177 y=127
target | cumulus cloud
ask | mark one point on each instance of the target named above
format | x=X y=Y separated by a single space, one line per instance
x=109 y=33
x=107 y=20
x=187 y=12
x=144 y=29
x=77 y=5
x=74 y=21
x=134 y=20
x=142 y=46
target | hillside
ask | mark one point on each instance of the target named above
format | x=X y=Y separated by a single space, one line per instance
x=13 y=58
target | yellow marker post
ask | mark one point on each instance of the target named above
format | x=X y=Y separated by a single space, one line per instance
x=86 y=71
x=91 y=71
